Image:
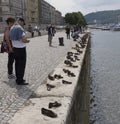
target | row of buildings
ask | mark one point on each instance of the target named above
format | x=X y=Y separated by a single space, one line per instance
x=35 y=12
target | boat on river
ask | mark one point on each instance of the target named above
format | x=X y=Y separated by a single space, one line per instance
x=116 y=27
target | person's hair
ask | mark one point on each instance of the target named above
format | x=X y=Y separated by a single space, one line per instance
x=22 y=20
x=10 y=19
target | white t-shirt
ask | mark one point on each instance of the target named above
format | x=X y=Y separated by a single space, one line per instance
x=19 y=44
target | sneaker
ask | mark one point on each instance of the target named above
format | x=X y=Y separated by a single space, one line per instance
x=11 y=76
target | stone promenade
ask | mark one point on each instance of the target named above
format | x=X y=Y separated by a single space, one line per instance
x=41 y=60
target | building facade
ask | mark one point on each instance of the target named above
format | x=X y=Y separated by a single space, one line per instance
x=11 y=8
x=35 y=12
x=31 y=11
x=46 y=13
x=58 y=17
x=52 y=10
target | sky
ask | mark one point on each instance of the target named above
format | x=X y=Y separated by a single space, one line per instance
x=84 y=6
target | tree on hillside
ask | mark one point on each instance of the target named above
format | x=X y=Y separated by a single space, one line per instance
x=103 y=17
x=75 y=18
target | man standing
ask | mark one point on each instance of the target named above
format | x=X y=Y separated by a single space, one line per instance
x=68 y=32
x=19 y=40
x=50 y=34
x=30 y=29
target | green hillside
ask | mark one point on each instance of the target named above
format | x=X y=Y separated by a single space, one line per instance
x=110 y=16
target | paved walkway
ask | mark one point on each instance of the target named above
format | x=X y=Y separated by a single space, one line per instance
x=41 y=60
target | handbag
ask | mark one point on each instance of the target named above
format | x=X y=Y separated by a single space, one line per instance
x=4 y=47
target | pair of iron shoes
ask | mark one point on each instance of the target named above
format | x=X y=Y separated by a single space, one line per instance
x=69 y=73
x=48 y=112
x=76 y=58
x=66 y=82
x=54 y=104
x=54 y=77
x=57 y=76
x=70 y=53
x=77 y=46
x=70 y=58
x=67 y=62
x=51 y=77
x=50 y=86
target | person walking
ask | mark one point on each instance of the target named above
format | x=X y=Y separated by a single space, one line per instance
x=6 y=38
x=50 y=34
x=68 y=32
x=19 y=40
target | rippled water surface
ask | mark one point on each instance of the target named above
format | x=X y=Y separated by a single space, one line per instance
x=105 y=77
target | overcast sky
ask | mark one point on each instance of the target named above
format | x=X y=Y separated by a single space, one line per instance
x=84 y=6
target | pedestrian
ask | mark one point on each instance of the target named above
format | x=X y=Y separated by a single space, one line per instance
x=50 y=34
x=30 y=29
x=53 y=30
x=19 y=40
x=68 y=32
x=6 y=38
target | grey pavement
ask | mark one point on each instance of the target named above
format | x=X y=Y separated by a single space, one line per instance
x=41 y=60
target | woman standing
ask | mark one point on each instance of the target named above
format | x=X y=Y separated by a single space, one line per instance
x=10 y=21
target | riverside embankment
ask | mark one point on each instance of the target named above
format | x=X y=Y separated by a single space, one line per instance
x=44 y=60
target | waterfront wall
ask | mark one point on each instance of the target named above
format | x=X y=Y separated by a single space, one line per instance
x=73 y=96
x=79 y=113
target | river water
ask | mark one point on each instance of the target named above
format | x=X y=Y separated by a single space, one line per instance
x=105 y=77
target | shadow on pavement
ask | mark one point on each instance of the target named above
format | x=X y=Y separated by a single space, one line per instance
x=22 y=91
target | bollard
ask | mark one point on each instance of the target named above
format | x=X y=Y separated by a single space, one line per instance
x=61 y=41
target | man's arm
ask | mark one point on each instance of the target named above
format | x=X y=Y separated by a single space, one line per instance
x=25 y=40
